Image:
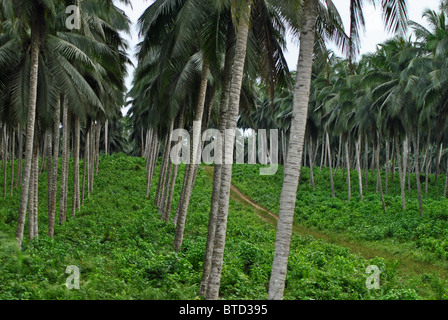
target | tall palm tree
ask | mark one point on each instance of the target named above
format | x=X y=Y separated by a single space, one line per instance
x=395 y=14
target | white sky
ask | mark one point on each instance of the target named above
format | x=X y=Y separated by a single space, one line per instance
x=373 y=35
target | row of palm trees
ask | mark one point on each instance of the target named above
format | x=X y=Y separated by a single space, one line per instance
x=198 y=64
x=54 y=79
x=386 y=110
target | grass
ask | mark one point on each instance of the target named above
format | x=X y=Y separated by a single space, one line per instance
x=124 y=250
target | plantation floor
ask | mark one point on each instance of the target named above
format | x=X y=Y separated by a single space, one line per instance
x=125 y=251
x=366 y=250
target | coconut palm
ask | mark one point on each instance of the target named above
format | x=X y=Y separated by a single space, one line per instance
x=395 y=14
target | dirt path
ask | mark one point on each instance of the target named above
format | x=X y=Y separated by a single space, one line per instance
x=407 y=265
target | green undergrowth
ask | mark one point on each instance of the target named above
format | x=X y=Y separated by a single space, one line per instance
x=403 y=233
x=124 y=250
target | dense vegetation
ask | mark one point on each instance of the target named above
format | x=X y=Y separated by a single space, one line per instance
x=141 y=225
x=124 y=251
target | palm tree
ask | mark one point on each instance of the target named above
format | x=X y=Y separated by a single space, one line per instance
x=394 y=13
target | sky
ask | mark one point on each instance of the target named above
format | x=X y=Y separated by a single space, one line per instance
x=373 y=35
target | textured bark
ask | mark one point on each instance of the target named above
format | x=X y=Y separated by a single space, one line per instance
x=428 y=162
x=162 y=173
x=50 y=165
x=416 y=141
x=175 y=169
x=226 y=171
x=106 y=137
x=85 y=165
x=13 y=144
x=19 y=155
x=339 y=155
x=312 y=183
x=35 y=194
x=97 y=146
x=167 y=179
x=152 y=158
x=387 y=168
x=331 y=167
x=293 y=165
x=223 y=107
x=378 y=174
x=64 y=171
x=76 y=203
x=439 y=157
x=446 y=182
x=347 y=160
x=358 y=164
x=54 y=174
x=92 y=157
x=401 y=173
x=5 y=158
x=196 y=141
x=29 y=136
x=366 y=162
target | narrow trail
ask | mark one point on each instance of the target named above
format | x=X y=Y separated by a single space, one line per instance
x=407 y=265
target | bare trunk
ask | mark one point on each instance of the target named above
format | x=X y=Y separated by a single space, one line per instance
x=402 y=173
x=311 y=164
x=106 y=137
x=13 y=144
x=196 y=141
x=347 y=160
x=223 y=108
x=358 y=164
x=293 y=164
x=64 y=172
x=54 y=174
x=331 y=169
x=416 y=140
x=378 y=174
x=214 y=280
x=29 y=136
x=76 y=204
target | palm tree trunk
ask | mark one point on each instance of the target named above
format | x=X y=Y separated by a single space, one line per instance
x=378 y=174
x=19 y=155
x=29 y=135
x=106 y=137
x=446 y=181
x=402 y=173
x=175 y=169
x=85 y=164
x=387 y=167
x=162 y=174
x=224 y=105
x=64 y=172
x=416 y=140
x=226 y=171
x=312 y=183
x=331 y=169
x=439 y=157
x=35 y=193
x=347 y=160
x=339 y=155
x=97 y=146
x=366 y=162
x=196 y=141
x=50 y=165
x=5 y=158
x=13 y=144
x=293 y=165
x=76 y=204
x=54 y=174
x=358 y=164
x=92 y=157
x=167 y=179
